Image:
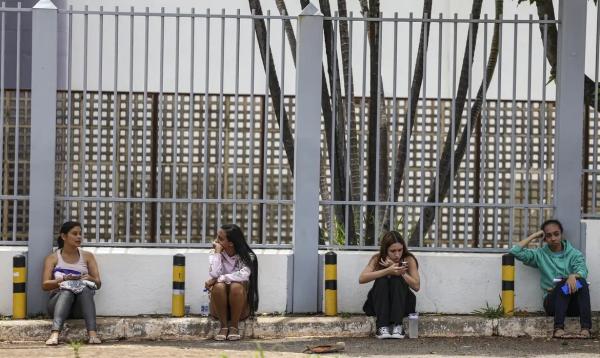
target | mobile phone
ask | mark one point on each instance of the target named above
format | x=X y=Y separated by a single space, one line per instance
x=565 y=287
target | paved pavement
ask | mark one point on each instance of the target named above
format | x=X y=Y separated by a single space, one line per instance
x=292 y=347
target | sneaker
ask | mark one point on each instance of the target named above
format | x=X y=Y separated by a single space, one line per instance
x=397 y=331
x=383 y=333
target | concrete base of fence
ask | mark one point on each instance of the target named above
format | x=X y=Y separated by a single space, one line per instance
x=189 y=328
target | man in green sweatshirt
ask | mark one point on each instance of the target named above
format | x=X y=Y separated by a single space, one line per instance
x=560 y=264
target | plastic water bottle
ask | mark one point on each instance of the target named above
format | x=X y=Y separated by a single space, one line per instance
x=204 y=310
x=413 y=325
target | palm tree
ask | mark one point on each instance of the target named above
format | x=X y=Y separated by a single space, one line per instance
x=345 y=115
x=444 y=179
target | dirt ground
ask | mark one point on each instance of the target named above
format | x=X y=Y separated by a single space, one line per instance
x=355 y=347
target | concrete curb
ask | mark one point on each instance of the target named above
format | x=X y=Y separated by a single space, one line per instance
x=188 y=328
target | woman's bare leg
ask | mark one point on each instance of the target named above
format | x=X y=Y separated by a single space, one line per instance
x=237 y=302
x=218 y=301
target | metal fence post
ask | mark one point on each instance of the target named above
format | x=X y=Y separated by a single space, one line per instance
x=43 y=139
x=569 y=117
x=306 y=169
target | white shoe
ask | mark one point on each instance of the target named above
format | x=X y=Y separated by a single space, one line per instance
x=383 y=333
x=398 y=332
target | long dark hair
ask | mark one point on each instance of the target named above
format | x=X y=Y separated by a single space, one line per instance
x=387 y=240
x=64 y=229
x=236 y=236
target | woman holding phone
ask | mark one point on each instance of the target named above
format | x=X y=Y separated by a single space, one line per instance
x=71 y=275
x=395 y=272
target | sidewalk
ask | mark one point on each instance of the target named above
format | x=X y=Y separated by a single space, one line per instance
x=278 y=327
x=486 y=347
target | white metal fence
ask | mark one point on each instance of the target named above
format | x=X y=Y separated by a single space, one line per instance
x=183 y=159
x=167 y=124
x=15 y=123
x=502 y=174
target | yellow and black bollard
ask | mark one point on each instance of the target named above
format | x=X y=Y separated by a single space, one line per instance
x=508 y=284
x=330 y=284
x=19 y=283
x=178 y=309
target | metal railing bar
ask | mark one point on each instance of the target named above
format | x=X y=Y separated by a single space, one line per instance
x=115 y=119
x=191 y=128
x=426 y=29
x=265 y=128
x=206 y=124
x=362 y=128
x=452 y=129
x=220 y=151
x=129 y=125
x=17 y=120
x=164 y=200
x=145 y=124
x=84 y=119
x=443 y=204
x=290 y=17
x=512 y=131
x=99 y=118
x=498 y=119
x=160 y=131
x=408 y=124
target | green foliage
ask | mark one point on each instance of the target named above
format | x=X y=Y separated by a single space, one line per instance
x=75 y=345
x=339 y=235
x=260 y=353
x=490 y=312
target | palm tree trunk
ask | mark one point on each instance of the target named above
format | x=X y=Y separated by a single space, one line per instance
x=351 y=120
x=444 y=173
x=545 y=10
x=376 y=109
x=415 y=90
x=274 y=88
x=414 y=96
x=336 y=151
x=372 y=160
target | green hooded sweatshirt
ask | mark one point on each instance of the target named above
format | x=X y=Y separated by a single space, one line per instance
x=552 y=264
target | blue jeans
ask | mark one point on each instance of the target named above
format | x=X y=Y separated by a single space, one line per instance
x=65 y=304
x=559 y=305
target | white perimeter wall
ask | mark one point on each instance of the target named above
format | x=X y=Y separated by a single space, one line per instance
x=138 y=281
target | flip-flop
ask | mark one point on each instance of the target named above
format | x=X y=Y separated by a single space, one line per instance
x=234 y=334
x=221 y=336
x=52 y=341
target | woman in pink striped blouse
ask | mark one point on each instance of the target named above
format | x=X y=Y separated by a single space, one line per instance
x=233 y=281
